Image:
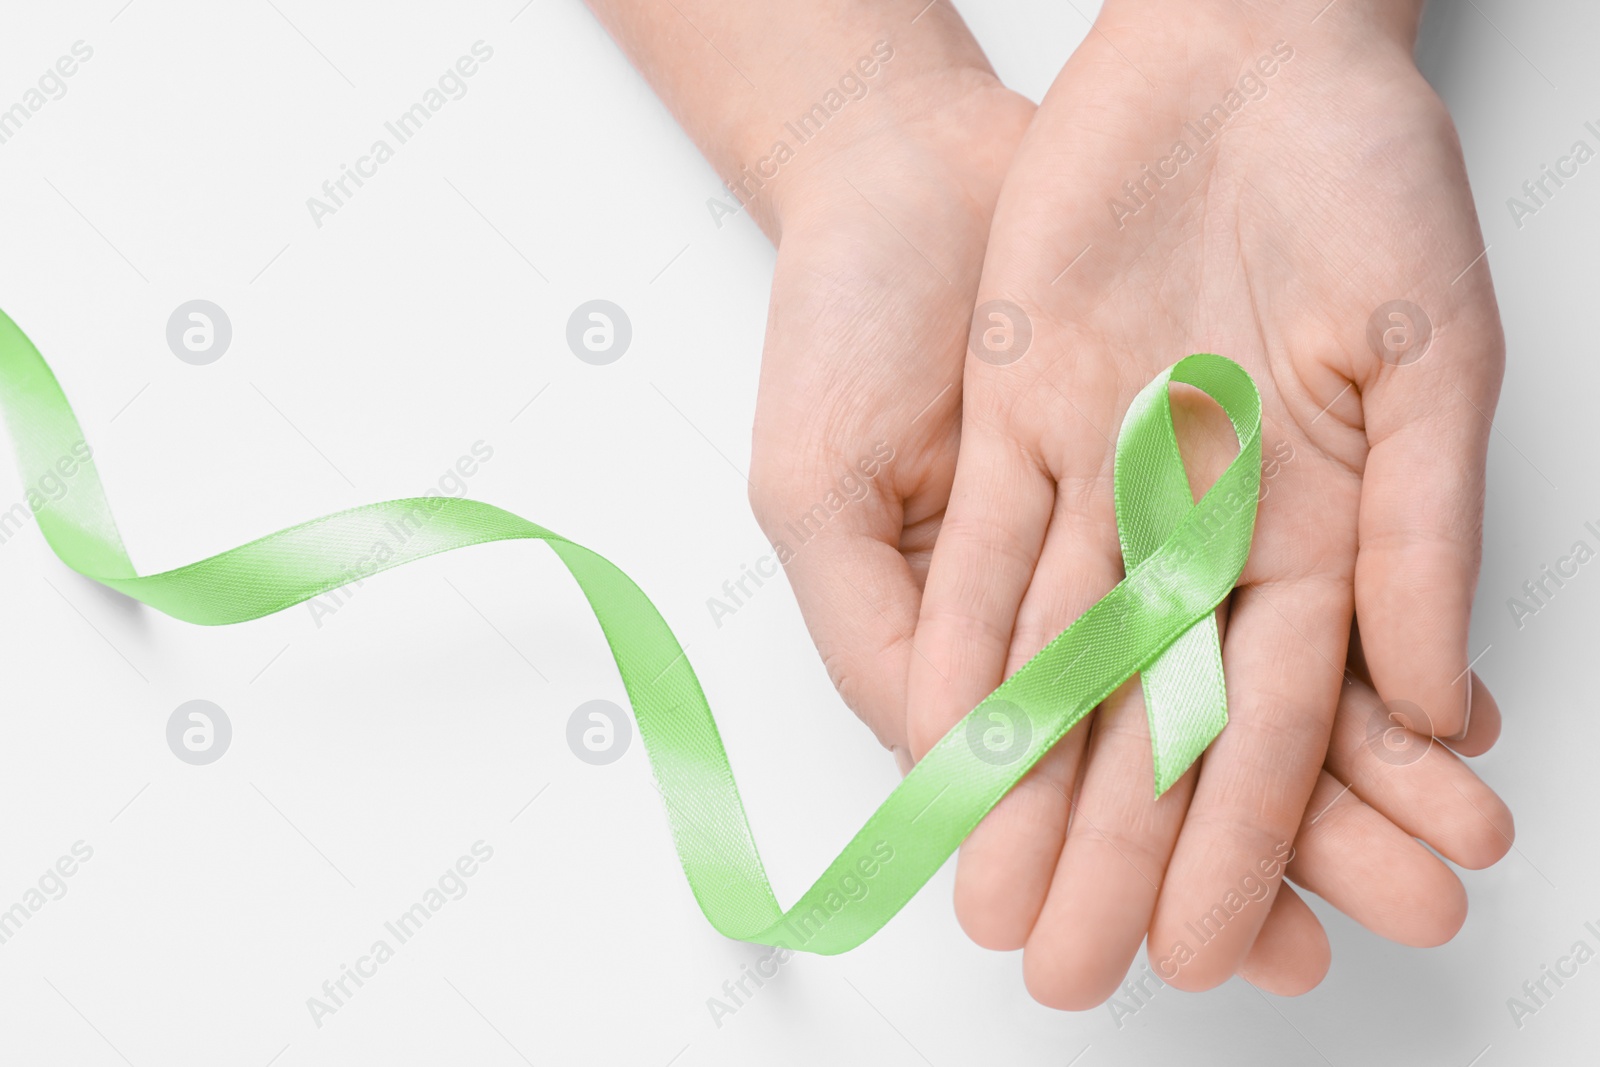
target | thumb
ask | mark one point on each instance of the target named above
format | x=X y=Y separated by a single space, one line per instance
x=1422 y=496
x=838 y=541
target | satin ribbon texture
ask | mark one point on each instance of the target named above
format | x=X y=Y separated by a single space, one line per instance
x=1182 y=559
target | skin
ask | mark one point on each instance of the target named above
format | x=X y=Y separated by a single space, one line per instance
x=883 y=226
x=1340 y=188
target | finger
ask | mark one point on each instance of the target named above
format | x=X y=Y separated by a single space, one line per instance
x=1108 y=879
x=1111 y=868
x=1283 y=659
x=984 y=559
x=1416 y=783
x=1291 y=954
x=1120 y=838
x=1007 y=863
x=1422 y=519
x=857 y=592
x=1483 y=725
x=857 y=423
x=1370 y=869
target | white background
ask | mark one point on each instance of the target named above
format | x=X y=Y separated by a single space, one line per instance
x=370 y=753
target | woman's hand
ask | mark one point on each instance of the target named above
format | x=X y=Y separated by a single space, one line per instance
x=869 y=142
x=1266 y=182
x=858 y=417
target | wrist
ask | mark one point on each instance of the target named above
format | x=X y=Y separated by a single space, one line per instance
x=928 y=138
x=888 y=115
x=1351 y=22
x=773 y=92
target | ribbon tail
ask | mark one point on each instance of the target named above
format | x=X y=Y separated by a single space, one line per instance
x=1186 y=701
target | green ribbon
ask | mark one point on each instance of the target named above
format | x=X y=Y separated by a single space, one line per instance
x=1182 y=559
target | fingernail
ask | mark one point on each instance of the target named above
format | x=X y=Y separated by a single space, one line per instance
x=1466 y=719
x=902 y=759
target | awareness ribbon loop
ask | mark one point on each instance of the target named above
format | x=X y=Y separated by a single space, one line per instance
x=1183 y=558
